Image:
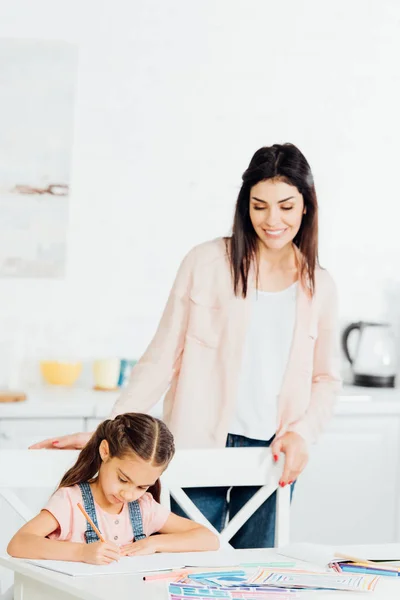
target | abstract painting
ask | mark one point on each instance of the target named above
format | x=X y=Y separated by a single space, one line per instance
x=37 y=84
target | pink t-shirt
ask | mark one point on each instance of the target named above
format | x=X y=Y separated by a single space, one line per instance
x=115 y=528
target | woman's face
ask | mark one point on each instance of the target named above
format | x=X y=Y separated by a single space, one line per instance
x=276 y=212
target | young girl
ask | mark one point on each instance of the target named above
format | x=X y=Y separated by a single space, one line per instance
x=116 y=479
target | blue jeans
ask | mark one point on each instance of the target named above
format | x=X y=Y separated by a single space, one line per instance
x=259 y=530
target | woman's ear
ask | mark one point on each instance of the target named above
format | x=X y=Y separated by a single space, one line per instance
x=104 y=450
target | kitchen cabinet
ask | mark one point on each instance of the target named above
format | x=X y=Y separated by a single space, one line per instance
x=349 y=493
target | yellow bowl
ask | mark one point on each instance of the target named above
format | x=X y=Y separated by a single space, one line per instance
x=58 y=372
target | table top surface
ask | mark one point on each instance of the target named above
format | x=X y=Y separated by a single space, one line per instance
x=104 y=587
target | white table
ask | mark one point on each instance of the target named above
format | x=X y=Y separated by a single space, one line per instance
x=35 y=583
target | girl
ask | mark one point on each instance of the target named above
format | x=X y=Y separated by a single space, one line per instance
x=116 y=479
x=247 y=344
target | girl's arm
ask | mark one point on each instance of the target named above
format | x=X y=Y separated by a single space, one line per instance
x=326 y=379
x=31 y=542
x=177 y=535
x=183 y=535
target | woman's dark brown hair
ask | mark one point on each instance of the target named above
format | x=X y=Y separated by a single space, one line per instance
x=282 y=162
x=147 y=437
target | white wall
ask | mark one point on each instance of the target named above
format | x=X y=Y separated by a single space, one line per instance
x=173 y=98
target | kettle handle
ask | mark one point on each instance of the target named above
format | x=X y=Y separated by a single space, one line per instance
x=345 y=337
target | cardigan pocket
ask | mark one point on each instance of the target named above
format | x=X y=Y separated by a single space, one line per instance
x=205 y=324
x=313 y=331
x=312 y=337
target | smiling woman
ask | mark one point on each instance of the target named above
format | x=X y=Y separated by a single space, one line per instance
x=247 y=345
x=276 y=212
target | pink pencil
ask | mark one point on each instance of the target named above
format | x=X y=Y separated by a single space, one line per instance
x=166 y=575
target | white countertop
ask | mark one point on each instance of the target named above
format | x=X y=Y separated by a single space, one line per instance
x=355 y=400
x=55 y=402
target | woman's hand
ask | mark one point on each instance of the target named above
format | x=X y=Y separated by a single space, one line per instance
x=75 y=441
x=100 y=553
x=296 y=455
x=146 y=546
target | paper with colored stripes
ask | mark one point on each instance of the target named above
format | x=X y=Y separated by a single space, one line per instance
x=181 y=591
x=315 y=581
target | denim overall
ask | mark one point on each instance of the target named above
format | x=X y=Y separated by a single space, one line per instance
x=134 y=514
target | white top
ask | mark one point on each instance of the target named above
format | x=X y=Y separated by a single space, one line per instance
x=266 y=351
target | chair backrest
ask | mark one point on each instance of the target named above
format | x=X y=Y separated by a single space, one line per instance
x=20 y=469
x=228 y=467
x=189 y=468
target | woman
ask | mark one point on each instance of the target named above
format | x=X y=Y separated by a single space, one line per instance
x=247 y=341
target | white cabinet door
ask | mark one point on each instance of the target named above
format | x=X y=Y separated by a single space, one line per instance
x=348 y=494
x=20 y=433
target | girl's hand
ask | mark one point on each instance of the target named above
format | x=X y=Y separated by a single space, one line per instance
x=100 y=553
x=295 y=448
x=142 y=547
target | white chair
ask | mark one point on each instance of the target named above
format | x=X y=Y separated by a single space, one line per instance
x=229 y=467
x=31 y=469
x=37 y=472
x=189 y=468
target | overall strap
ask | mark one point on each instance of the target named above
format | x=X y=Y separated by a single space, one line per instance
x=135 y=515
x=88 y=502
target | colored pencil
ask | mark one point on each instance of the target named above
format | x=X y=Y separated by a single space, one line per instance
x=89 y=520
x=362 y=562
x=166 y=575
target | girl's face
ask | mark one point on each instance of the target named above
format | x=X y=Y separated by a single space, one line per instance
x=125 y=479
x=276 y=212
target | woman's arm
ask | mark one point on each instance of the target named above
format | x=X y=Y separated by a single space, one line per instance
x=326 y=383
x=31 y=542
x=326 y=379
x=177 y=535
x=153 y=373
x=74 y=441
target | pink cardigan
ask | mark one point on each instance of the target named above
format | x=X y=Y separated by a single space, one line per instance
x=197 y=348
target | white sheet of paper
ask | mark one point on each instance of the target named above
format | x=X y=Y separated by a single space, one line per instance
x=312 y=553
x=373 y=551
x=321 y=555
x=142 y=564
